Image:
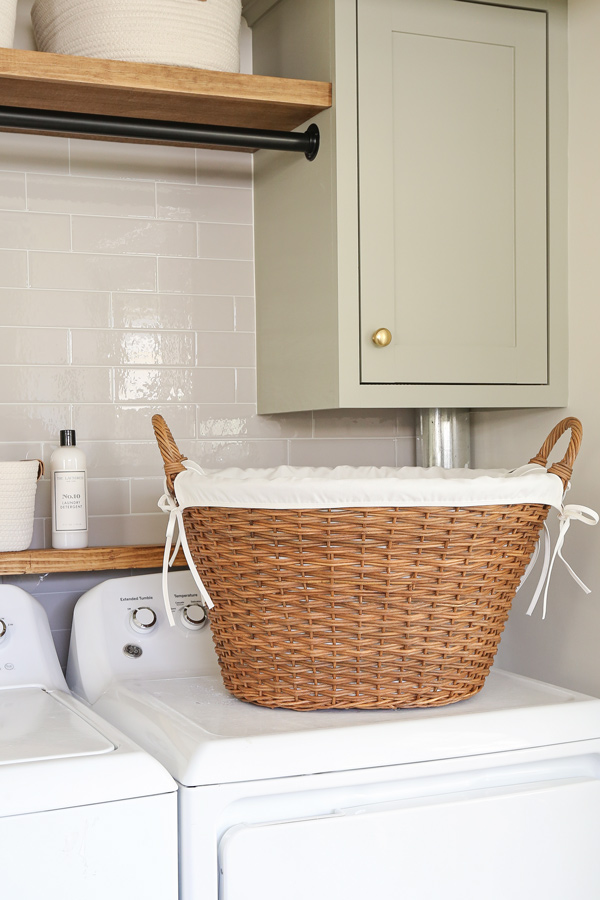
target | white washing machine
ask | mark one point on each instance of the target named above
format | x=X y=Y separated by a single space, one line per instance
x=495 y=797
x=84 y=813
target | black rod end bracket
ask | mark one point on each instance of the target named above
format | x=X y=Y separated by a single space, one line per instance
x=313 y=136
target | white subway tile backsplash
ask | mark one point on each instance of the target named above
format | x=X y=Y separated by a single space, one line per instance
x=132 y=348
x=126 y=289
x=42 y=494
x=245 y=385
x=171 y=311
x=38 y=539
x=225 y=349
x=204 y=203
x=54 y=384
x=59 y=607
x=121 y=459
x=109 y=496
x=240 y=420
x=13 y=266
x=245 y=454
x=54 y=309
x=360 y=452
x=145 y=494
x=406 y=451
x=224 y=168
x=11 y=452
x=216 y=241
x=61 y=642
x=30 y=346
x=34 y=231
x=119 y=422
x=12 y=190
x=92 y=272
x=245 y=318
x=33 y=153
x=145 y=236
x=109 y=531
x=90 y=196
x=133 y=161
x=33 y=422
x=154 y=385
x=214 y=386
x=209 y=276
x=353 y=423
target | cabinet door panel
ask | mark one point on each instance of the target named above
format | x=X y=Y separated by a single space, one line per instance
x=452 y=111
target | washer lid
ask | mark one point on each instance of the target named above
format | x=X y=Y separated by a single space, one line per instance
x=203 y=735
x=56 y=755
x=35 y=725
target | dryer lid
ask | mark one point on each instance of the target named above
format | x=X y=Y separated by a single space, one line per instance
x=203 y=735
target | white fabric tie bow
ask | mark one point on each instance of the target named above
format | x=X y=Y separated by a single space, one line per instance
x=569 y=513
x=168 y=504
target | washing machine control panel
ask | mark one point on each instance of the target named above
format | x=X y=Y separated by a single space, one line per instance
x=27 y=651
x=121 y=632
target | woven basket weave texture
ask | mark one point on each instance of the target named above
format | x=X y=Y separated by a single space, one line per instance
x=361 y=608
x=18 y=483
x=190 y=33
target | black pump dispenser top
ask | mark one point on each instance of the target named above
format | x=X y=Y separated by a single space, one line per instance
x=67 y=438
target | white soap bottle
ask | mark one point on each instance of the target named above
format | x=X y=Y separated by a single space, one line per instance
x=68 y=475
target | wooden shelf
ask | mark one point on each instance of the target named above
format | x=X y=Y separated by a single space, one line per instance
x=91 y=559
x=107 y=87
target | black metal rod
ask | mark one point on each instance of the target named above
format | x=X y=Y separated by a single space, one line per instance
x=306 y=142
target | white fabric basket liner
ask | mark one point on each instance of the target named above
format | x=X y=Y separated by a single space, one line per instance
x=288 y=487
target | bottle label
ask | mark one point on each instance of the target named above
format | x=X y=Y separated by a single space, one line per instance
x=70 y=506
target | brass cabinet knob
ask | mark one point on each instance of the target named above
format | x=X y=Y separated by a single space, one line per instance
x=382 y=337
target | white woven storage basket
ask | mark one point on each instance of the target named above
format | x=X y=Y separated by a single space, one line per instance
x=202 y=34
x=18 y=483
x=8 y=17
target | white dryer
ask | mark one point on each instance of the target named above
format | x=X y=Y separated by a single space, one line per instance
x=495 y=797
x=85 y=814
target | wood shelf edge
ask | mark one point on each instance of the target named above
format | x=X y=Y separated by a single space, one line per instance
x=32 y=79
x=90 y=559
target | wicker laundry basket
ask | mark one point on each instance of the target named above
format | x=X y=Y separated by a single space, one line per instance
x=383 y=607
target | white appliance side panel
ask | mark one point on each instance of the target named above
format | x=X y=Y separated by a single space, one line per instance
x=514 y=840
x=109 y=850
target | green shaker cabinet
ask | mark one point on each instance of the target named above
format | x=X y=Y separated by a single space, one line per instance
x=419 y=261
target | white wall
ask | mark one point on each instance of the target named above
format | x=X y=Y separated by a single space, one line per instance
x=564 y=647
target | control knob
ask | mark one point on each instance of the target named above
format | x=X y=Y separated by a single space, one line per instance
x=143 y=619
x=194 y=617
x=3 y=629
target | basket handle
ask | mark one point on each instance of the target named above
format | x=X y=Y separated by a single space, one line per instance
x=40 y=467
x=564 y=468
x=172 y=458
